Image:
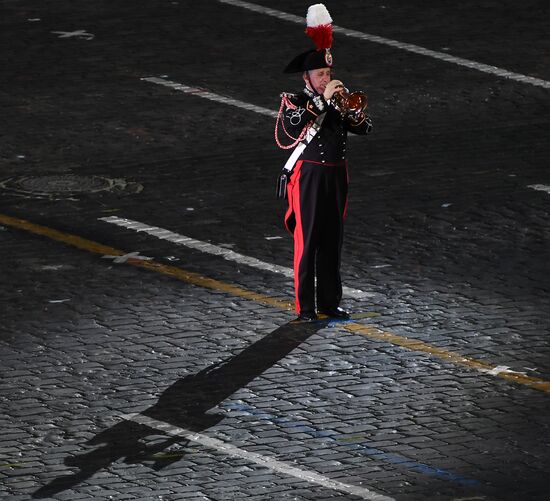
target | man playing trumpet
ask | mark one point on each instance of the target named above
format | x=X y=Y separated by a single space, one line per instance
x=317 y=121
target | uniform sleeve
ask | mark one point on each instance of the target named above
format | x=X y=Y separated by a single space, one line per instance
x=303 y=110
x=362 y=127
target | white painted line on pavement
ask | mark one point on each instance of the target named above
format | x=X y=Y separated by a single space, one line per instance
x=82 y=34
x=417 y=49
x=211 y=96
x=540 y=187
x=253 y=457
x=215 y=250
x=123 y=259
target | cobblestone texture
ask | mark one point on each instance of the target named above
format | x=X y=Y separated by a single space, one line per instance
x=442 y=229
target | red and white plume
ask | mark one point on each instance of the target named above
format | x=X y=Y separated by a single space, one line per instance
x=319 y=27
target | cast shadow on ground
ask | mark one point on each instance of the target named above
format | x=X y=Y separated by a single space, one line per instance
x=184 y=404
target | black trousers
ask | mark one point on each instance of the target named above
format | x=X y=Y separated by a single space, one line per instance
x=317 y=196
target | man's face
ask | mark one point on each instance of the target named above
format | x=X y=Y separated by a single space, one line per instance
x=318 y=79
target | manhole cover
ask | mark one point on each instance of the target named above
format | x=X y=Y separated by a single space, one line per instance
x=66 y=185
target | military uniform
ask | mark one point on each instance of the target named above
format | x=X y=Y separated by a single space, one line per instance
x=317 y=199
x=317 y=188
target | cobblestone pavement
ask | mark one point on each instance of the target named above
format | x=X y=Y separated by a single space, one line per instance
x=183 y=376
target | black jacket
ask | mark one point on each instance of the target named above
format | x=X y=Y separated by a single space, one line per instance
x=329 y=144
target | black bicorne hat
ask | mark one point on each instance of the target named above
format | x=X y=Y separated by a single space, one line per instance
x=319 y=29
x=310 y=60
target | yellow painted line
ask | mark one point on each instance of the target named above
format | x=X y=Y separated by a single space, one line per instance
x=210 y=283
x=202 y=281
x=66 y=238
x=447 y=356
x=186 y=276
x=353 y=439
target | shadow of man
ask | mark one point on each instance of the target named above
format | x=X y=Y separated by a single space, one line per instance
x=185 y=405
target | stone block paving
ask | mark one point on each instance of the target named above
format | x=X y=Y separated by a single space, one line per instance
x=443 y=231
x=351 y=409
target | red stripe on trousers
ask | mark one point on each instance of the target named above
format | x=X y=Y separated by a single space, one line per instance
x=294 y=208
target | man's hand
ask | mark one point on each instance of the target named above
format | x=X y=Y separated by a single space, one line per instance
x=332 y=87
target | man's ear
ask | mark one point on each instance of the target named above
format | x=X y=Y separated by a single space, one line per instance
x=307 y=80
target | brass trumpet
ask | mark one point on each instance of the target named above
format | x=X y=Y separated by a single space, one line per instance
x=350 y=104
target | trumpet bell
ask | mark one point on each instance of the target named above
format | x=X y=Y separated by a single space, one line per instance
x=357 y=102
x=351 y=104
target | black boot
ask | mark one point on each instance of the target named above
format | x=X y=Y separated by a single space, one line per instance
x=307 y=316
x=337 y=312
